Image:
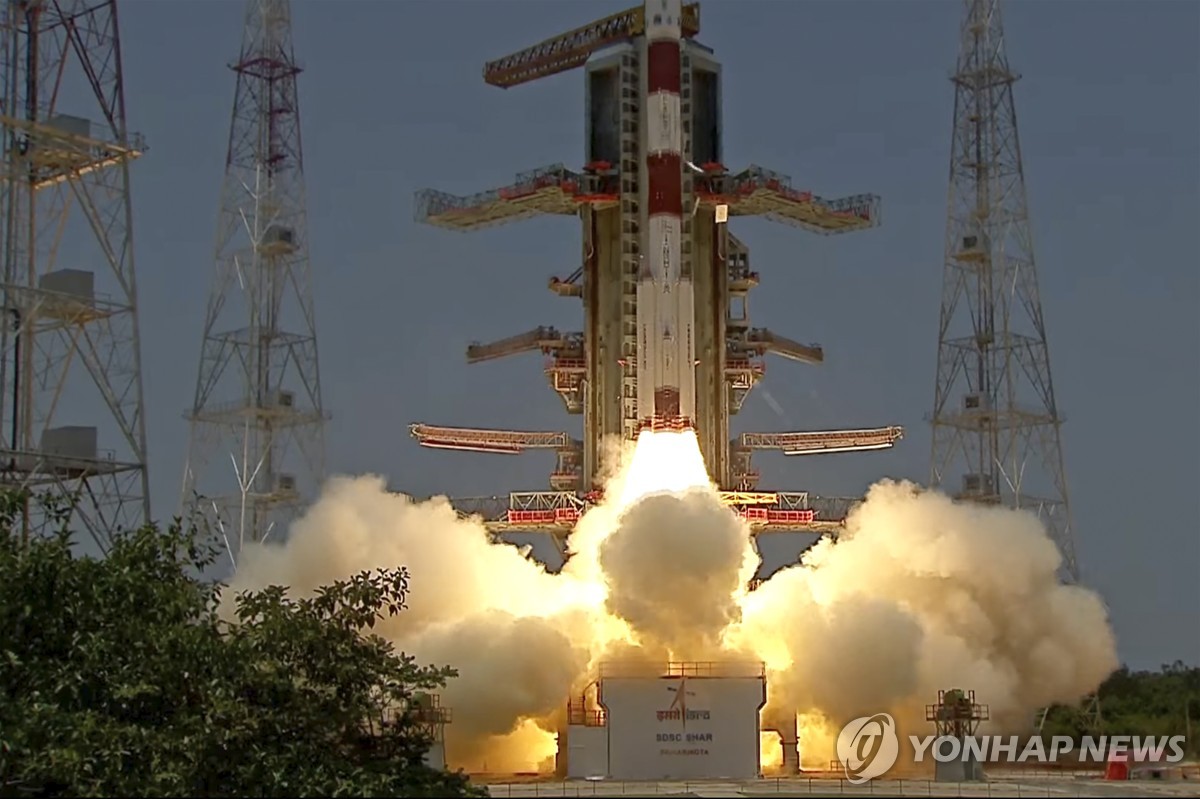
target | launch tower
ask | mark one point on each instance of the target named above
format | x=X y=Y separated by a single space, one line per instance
x=257 y=408
x=663 y=282
x=996 y=426
x=72 y=421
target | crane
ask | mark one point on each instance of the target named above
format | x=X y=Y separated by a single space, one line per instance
x=570 y=50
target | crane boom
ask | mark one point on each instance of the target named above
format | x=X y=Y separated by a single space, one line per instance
x=571 y=50
x=824 y=441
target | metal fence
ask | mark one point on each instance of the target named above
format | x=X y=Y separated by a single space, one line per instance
x=1059 y=786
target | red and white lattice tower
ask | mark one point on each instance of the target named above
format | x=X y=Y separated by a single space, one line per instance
x=256 y=449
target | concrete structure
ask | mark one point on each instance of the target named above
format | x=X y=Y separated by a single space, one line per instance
x=72 y=419
x=430 y=718
x=788 y=730
x=258 y=389
x=671 y=722
x=599 y=371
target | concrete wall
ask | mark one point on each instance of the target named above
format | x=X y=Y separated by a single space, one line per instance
x=587 y=752
x=960 y=769
x=673 y=728
x=435 y=758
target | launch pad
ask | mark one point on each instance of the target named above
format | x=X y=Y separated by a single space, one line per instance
x=696 y=720
x=667 y=341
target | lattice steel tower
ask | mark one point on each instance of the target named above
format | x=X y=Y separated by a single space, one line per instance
x=996 y=427
x=70 y=360
x=258 y=405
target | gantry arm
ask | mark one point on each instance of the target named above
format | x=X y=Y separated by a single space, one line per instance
x=541 y=338
x=823 y=441
x=760 y=192
x=553 y=190
x=507 y=442
x=764 y=341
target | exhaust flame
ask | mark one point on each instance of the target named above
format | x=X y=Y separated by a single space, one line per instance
x=664 y=462
x=919 y=593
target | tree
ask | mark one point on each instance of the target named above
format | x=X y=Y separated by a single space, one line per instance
x=1143 y=703
x=119 y=677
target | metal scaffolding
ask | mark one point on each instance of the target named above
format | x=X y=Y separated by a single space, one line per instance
x=995 y=419
x=72 y=421
x=557 y=512
x=257 y=449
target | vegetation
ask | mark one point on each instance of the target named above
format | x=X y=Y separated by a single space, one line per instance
x=1144 y=703
x=119 y=678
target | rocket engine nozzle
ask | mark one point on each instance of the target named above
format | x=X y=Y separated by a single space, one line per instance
x=668 y=416
x=662 y=423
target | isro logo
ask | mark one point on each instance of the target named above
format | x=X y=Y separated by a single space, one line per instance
x=679 y=711
x=867 y=747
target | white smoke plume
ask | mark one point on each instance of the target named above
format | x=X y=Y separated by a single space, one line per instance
x=921 y=594
x=509 y=628
x=676 y=566
x=918 y=594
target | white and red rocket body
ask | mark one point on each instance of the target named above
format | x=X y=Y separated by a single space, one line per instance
x=666 y=366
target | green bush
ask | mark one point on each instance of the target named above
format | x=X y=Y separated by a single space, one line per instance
x=1142 y=703
x=120 y=679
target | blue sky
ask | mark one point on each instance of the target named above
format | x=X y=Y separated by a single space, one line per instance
x=845 y=97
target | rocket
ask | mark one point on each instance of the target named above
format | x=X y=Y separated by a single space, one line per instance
x=666 y=349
